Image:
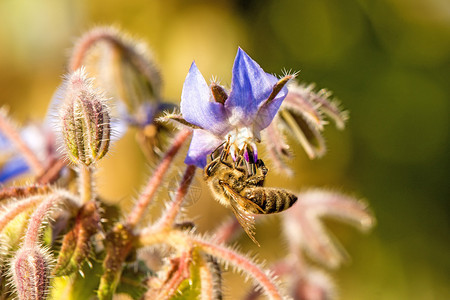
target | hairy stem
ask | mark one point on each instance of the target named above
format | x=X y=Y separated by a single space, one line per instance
x=227 y=230
x=86 y=42
x=176 y=239
x=23 y=191
x=51 y=173
x=144 y=200
x=209 y=284
x=243 y=264
x=13 y=209
x=16 y=208
x=113 y=37
x=171 y=213
x=36 y=220
x=9 y=130
x=179 y=272
x=85 y=183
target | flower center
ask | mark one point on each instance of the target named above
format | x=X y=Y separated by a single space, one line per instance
x=240 y=137
x=241 y=143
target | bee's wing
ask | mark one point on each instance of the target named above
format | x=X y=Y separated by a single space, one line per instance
x=246 y=219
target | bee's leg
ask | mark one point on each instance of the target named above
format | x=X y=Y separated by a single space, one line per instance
x=215 y=150
x=249 y=168
x=255 y=180
x=238 y=165
x=223 y=157
x=253 y=168
x=211 y=166
x=260 y=164
x=241 y=164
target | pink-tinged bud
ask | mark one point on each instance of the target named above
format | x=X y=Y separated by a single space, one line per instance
x=85 y=120
x=31 y=273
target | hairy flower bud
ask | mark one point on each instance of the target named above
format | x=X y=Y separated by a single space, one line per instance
x=126 y=70
x=85 y=120
x=31 y=270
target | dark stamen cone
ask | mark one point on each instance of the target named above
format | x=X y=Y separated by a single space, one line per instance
x=278 y=86
x=219 y=93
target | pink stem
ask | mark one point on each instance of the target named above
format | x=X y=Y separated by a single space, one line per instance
x=243 y=264
x=113 y=37
x=9 y=130
x=51 y=173
x=16 y=208
x=23 y=191
x=178 y=239
x=85 y=44
x=227 y=230
x=36 y=220
x=207 y=286
x=171 y=213
x=155 y=181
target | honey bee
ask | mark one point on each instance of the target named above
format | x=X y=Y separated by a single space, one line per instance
x=233 y=186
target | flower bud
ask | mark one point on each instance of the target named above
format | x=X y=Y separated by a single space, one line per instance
x=85 y=120
x=31 y=271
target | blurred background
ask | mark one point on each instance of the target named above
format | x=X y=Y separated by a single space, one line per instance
x=388 y=61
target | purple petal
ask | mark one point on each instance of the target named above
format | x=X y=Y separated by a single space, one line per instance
x=268 y=110
x=250 y=86
x=5 y=144
x=13 y=168
x=203 y=143
x=198 y=108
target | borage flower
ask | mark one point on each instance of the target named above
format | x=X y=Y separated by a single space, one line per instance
x=235 y=118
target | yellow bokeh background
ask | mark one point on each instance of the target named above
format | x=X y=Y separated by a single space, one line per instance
x=388 y=61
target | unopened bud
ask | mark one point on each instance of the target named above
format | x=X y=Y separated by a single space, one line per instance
x=31 y=271
x=85 y=120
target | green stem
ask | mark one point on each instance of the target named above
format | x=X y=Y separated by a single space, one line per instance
x=86 y=187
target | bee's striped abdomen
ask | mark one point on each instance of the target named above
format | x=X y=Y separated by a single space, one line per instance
x=271 y=200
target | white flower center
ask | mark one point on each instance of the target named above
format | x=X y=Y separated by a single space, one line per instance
x=241 y=141
x=240 y=137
